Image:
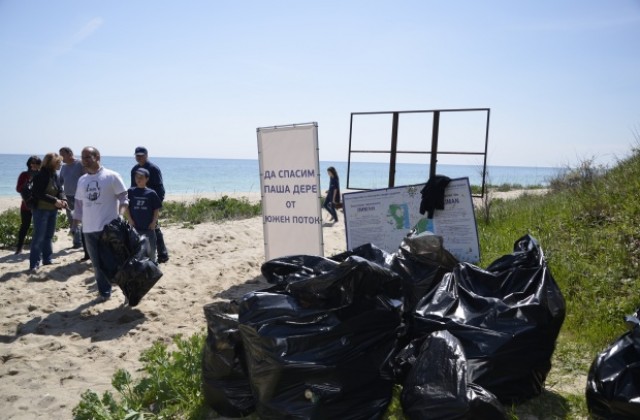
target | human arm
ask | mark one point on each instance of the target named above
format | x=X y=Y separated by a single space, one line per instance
x=77 y=212
x=155 y=181
x=23 y=178
x=123 y=203
x=154 y=220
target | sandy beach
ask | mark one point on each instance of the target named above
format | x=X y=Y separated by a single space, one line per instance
x=55 y=342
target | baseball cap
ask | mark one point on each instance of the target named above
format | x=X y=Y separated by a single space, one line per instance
x=142 y=171
x=141 y=150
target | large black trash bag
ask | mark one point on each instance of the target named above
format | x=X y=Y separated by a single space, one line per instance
x=421 y=262
x=119 y=241
x=136 y=277
x=121 y=257
x=225 y=382
x=507 y=319
x=369 y=252
x=436 y=387
x=287 y=269
x=319 y=346
x=613 y=383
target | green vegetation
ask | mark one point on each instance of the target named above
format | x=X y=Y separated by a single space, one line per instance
x=477 y=189
x=206 y=210
x=587 y=225
x=170 y=390
x=10 y=225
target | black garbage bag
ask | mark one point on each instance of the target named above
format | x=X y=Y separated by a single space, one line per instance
x=613 y=383
x=122 y=258
x=437 y=386
x=318 y=347
x=421 y=262
x=287 y=269
x=507 y=319
x=119 y=242
x=369 y=252
x=136 y=277
x=225 y=383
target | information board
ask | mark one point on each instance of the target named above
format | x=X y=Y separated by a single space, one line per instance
x=385 y=216
x=290 y=190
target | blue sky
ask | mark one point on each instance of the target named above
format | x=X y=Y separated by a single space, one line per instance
x=197 y=78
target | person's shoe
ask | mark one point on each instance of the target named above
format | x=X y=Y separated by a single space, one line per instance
x=18 y=251
x=163 y=259
x=85 y=258
x=102 y=298
x=49 y=262
x=76 y=246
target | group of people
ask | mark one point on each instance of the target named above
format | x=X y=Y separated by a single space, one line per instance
x=92 y=196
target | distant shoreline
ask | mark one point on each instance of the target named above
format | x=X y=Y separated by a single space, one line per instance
x=7 y=203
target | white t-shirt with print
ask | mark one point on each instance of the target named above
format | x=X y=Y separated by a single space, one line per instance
x=98 y=193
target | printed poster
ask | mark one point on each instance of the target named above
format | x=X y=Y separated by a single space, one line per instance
x=384 y=217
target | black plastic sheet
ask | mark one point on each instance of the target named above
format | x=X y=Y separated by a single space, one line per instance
x=507 y=319
x=317 y=345
x=225 y=383
x=613 y=383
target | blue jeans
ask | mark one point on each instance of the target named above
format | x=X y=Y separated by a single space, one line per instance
x=44 y=226
x=151 y=240
x=92 y=240
x=328 y=206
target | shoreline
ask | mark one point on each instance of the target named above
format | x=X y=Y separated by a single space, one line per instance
x=9 y=202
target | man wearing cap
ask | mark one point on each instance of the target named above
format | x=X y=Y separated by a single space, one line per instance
x=144 y=208
x=155 y=183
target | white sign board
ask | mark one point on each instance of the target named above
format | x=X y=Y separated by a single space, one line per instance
x=384 y=217
x=290 y=190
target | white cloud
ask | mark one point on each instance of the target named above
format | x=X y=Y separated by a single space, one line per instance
x=85 y=32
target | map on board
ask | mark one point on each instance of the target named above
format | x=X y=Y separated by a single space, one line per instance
x=384 y=217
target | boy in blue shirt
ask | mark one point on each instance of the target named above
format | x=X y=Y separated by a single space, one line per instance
x=143 y=211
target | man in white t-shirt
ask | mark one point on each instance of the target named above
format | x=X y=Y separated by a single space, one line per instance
x=101 y=196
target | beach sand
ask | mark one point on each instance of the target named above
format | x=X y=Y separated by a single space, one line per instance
x=55 y=342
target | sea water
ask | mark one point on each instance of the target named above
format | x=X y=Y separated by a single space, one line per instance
x=192 y=176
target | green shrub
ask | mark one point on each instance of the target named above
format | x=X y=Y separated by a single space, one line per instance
x=170 y=389
x=207 y=210
x=10 y=226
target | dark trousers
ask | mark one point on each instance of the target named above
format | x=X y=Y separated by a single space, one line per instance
x=25 y=223
x=163 y=254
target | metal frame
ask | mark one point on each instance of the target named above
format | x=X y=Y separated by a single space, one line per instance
x=434 y=143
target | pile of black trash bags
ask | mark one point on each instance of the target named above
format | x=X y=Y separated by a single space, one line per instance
x=124 y=261
x=333 y=336
x=613 y=383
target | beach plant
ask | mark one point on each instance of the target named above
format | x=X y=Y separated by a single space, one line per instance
x=170 y=388
x=207 y=210
x=10 y=225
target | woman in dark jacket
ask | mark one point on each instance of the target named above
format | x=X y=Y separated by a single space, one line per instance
x=47 y=189
x=33 y=166
x=333 y=194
